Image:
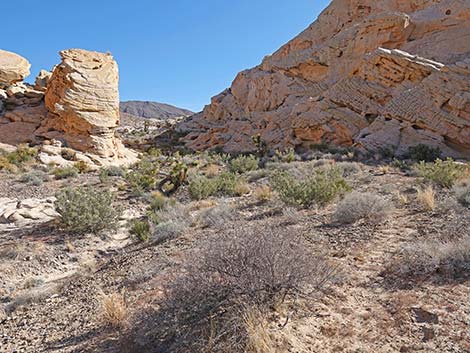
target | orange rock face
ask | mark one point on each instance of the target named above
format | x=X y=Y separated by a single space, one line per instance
x=385 y=73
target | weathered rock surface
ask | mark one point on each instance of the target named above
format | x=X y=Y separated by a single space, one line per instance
x=82 y=99
x=26 y=211
x=13 y=68
x=387 y=73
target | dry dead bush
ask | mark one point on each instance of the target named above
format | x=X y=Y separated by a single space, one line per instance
x=356 y=206
x=114 y=309
x=204 y=308
x=431 y=260
x=427 y=198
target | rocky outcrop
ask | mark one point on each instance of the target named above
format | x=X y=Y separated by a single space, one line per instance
x=375 y=74
x=76 y=106
x=82 y=99
x=13 y=68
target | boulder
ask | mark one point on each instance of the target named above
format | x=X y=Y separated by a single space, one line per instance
x=372 y=74
x=77 y=106
x=13 y=68
x=82 y=100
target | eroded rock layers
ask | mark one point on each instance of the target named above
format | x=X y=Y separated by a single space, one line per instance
x=76 y=106
x=376 y=74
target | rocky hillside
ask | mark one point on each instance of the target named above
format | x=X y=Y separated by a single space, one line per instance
x=153 y=110
x=374 y=74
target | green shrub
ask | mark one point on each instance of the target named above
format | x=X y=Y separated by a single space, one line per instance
x=462 y=192
x=443 y=173
x=6 y=165
x=202 y=187
x=143 y=176
x=224 y=184
x=140 y=229
x=287 y=156
x=323 y=187
x=65 y=172
x=424 y=153
x=22 y=155
x=243 y=164
x=86 y=210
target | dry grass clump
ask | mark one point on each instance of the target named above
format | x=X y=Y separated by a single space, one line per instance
x=368 y=206
x=263 y=193
x=259 y=337
x=462 y=192
x=204 y=308
x=427 y=198
x=114 y=309
x=431 y=260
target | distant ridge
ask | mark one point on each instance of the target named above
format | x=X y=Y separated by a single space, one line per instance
x=152 y=110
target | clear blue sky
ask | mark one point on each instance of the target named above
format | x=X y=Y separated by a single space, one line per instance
x=175 y=51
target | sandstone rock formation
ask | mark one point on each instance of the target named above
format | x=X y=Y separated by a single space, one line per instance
x=77 y=106
x=13 y=68
x=376 y=74
x=82 y=99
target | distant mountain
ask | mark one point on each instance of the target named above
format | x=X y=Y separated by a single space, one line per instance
x=152 y=110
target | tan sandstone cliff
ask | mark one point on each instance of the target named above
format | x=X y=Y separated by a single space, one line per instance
x=376 y=74
x=76 y=106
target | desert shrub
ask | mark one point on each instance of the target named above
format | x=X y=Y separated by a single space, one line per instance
x=431 y=260
x=157 y=201
x=224 y=184
x=202 y=187
x=140 y=229
x=243 y=164
x=263 y=193
x=143 y=176
x=287 y=156
x=22 y=155
x=321 y=188
x=356 y=206
x=86 y=210
x=82 y=167
x=443 y=173
x=240 y=269
x=349 y=168
x=462 y=192
x=6 y=165
x=217 y=216
x=171 y=222
x=427 y=198
x=424 y=153
x=65 y=172
x=111 y=171
x=35 y=177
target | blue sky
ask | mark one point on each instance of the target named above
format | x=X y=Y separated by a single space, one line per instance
x=180 y=52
